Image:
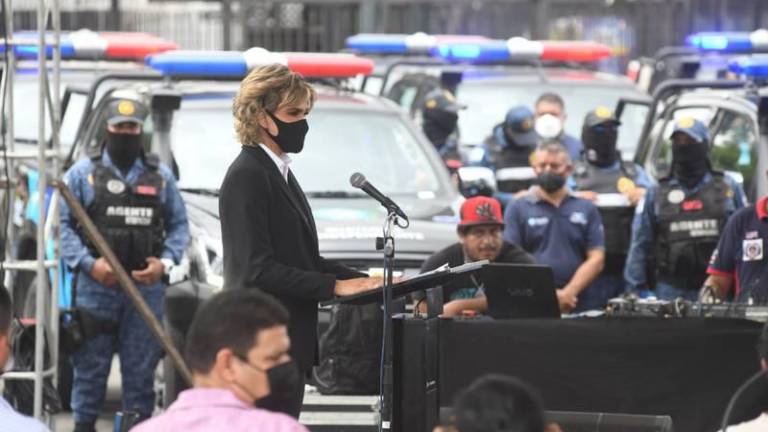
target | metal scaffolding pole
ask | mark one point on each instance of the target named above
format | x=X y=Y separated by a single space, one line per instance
x=42 y=279
x=47 y=309
x=10 y=138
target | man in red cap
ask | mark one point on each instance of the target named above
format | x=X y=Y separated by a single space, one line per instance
x=479 y=239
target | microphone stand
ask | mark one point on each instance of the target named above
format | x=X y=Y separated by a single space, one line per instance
x=387 y=244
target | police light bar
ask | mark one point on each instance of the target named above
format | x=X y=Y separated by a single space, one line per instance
x=753 y=66
x=236 y=64
x=734 y=42
x=89 y=45
x=521 y=49
x=417 y=43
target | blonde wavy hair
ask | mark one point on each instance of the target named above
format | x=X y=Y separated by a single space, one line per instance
x=267 y=88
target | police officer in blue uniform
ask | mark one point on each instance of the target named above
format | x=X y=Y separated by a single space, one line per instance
x=135 y=204
x=508 y=151
x=616 y=187
x=440 y=115
x=679 y=223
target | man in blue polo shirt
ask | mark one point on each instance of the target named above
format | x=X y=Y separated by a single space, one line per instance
x=558 y=228
x=739 y=265
x=679 y=222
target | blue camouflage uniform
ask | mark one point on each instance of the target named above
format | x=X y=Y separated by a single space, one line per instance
x=643 y=236
x=135 y=344
x=679 y=223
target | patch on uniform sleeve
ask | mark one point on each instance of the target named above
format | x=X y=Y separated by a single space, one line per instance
x=753 y=250
x=625 y=185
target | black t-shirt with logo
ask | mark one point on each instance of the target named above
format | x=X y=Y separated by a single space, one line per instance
x=466 y=286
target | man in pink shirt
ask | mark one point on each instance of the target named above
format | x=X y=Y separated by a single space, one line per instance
x=237 y=349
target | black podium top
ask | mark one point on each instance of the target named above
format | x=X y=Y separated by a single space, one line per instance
x=423 y=281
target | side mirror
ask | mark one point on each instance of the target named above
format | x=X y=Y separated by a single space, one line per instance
x=474 y=181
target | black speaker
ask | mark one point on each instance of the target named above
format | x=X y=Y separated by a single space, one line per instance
x=607 y=422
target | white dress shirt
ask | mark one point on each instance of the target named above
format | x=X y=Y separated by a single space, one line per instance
x=281 y=161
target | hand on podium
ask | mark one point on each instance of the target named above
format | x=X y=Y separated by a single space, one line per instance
x=357 y=285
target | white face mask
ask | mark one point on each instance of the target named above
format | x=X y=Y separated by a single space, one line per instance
x=548 y=126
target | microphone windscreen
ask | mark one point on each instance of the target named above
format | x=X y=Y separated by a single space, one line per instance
x=357 y=180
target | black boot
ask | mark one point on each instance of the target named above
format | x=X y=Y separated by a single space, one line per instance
x=85 y=427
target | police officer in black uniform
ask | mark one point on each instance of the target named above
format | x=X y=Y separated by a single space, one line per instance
x=134 y=202
x=680 y=222
x=440 y=115
x=615 y=186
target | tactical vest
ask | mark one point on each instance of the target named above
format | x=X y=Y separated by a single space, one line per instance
x=129 y=216
x=513 y=168
x=688 y=227
x=617 y=221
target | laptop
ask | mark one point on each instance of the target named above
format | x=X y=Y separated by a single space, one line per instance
x=520 y=291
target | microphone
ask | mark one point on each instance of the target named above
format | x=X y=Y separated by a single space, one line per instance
x=358 y=180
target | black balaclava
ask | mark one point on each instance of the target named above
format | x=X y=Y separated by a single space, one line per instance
x=600 y=144
x=690 y=162
x=438 y=125
x=123 y=149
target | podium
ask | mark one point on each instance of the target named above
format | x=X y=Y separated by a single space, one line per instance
x=431 y=282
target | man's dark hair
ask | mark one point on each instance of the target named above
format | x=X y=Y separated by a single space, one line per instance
x=498 y=403
x=550 y=97
x=230 y=319
x=6 y=310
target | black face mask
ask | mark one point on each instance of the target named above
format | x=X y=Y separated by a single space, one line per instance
x=690 y=162
x=284 y=382
x=290 y=136
x=600 y=144
x=123 y=149
x=550 y=182
x=439 y=125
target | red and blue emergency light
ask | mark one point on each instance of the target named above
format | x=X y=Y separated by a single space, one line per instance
x=755 y=66
x=236 y=64
x=417 y=43
x=521 y=49
x=732 y=42
x=89 y=45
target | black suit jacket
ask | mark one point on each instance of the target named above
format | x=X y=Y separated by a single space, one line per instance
x=270 y=243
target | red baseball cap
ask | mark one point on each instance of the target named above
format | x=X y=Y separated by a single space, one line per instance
x=481 y=210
